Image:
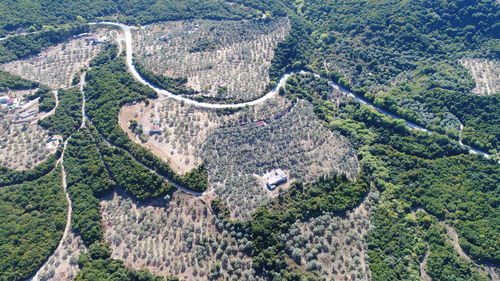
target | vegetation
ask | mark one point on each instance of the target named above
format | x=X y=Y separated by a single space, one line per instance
x=334 y=246
x=396 y=36
x=57 y=65
x=413 y=170
x=108 y=88
x=234 y=154
x=31 y=224
x=174 y=85
x=333 y=194
x=19 y=47
x=10 y=177
x=193 y=243
x=87 y=179
x=402 y=55
x=12 y=82
x=135 y=178
x=437 y=97
x=38 y=14
x=443 y=262
x=68 y=115
x=449 y=188
x=97 y=264
x=223 y=61
x=47 y=100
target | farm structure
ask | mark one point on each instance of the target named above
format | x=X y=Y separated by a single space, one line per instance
x=275 y=178
x=22 y=140
x=235 y=149
x=295 y=141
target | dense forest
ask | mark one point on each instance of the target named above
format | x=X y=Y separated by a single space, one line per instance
x=333 y=194
x=35 y=15
x=47 y=100
x=415 y=170
x=19 y=47
x=176 y=86
x=402 y=55
x=31 y=225
x=395 y=36
x=68 y=115
x=416 y=46
x=13 y=82
x=87 y=180
x=97 y=264
x=10 y=177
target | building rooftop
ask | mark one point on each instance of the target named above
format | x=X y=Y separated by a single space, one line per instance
x=275 y=178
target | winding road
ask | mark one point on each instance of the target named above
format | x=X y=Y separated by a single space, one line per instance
x=129 y=58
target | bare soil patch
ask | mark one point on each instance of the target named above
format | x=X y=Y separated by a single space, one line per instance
x=182 y=128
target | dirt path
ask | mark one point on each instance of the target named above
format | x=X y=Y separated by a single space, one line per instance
x=452 y=237
x=423 y=266
x=67 y=229
x=129 y=59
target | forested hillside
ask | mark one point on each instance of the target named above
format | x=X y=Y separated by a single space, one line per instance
x=418 y=206
x=34 y=15
x=31 y=224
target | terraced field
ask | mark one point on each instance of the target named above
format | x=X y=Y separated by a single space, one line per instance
x=226 y=59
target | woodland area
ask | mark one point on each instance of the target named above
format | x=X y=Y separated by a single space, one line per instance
x=31 y=225
x=416 y=167
x=68 y=115
x=15 y=15
x=19 y=47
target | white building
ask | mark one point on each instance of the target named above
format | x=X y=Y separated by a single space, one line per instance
x=275 y=178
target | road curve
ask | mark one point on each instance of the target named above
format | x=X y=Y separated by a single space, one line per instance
x=129 y=58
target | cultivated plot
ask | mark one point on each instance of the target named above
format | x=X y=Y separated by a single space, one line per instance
x=181 y=238
x=225 y=59
x=56 y=66
x=486 y=73
x=296 y=141
x=23 y=143
x=63 y=264
x=334 y=246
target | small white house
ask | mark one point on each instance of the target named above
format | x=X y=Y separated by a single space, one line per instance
x=275 y=178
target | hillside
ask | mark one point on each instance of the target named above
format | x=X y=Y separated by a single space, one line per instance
x=305 y=140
